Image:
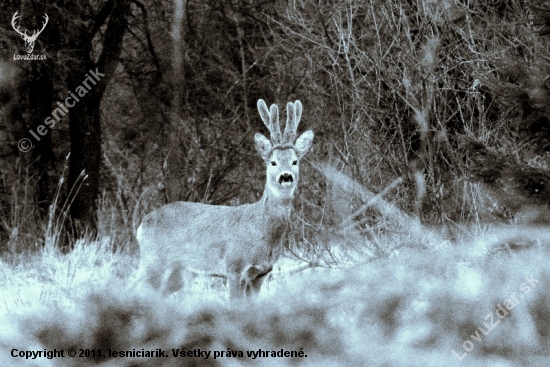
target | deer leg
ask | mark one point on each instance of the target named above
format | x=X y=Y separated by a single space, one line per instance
x=236 y=290
x=149 y=275
x=253 y=276
x=246 y=281
x=173 y=279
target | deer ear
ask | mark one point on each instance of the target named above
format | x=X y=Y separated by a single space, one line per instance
x=303 y=143
x=263 y=145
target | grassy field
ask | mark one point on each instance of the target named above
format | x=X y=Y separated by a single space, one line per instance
x=479 y=299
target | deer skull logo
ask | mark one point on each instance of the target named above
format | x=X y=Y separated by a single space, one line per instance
x=29 y=40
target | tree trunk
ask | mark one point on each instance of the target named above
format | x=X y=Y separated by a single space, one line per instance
x=85 y=132
x=174 y=160
x=85 y=127
x=40 y=105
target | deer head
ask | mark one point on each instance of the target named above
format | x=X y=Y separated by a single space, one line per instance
x=29 y=40
x=283 y=152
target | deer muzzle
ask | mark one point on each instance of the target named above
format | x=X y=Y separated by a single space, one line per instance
x=286 y=179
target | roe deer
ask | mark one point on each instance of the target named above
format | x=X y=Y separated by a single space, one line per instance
x=239 y=243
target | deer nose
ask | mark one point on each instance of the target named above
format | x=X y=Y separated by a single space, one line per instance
x=286 y=178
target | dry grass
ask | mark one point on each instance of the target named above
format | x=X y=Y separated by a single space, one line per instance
x=421 y=303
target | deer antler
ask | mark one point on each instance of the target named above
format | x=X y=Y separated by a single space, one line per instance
x=293 y=115
x=271 y=120
x=275 y=126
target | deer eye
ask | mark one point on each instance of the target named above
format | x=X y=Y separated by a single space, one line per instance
x=273 y=163
x=294 y=163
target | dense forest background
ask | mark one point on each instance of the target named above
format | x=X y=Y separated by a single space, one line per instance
x=450 y=96
x=423 y=205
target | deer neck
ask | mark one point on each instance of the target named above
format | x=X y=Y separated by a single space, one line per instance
x=276 y=207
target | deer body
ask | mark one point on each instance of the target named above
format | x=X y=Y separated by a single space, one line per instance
x=239 y=243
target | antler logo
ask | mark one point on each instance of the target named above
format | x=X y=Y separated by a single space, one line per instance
x=29 y=40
